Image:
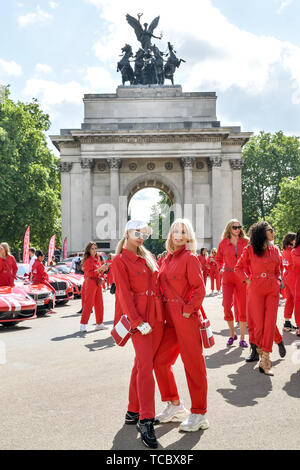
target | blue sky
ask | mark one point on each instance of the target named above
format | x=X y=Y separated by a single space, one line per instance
x=248 y=51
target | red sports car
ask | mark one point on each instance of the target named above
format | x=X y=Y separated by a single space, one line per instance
x=63 y=288
x=15 y=306
x=42 y=295
x=63 y=272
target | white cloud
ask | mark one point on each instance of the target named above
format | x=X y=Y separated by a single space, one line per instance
x=43 y=68
x=10 y=68
x=39 y=16
x=284 y=4
x=51 y=93
x=224 y=55
x=53 y=5
x=99 y=79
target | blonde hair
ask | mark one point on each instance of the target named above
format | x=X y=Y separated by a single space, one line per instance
x=6 y=248
x=227 y=230
x=141 y=251
x=191 y=244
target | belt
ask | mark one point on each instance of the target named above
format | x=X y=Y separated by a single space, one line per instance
x=171 y=300
x=264 y=276
x=151 y=293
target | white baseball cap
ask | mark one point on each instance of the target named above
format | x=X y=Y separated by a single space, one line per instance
x=135 y=225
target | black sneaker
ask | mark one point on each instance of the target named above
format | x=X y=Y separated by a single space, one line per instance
x=288 y=326
x=282 y=350
x=147 y=433
x=131 y=418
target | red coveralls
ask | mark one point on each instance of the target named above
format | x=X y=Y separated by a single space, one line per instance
x=40 y=276
x=91 y=294
x=204 y=267
x=214 y=273
x=263 y=292
x=181 y=272
x=137 y=297
x=289 y=281
x=232 y=285
x=296 y=264
x=8 y=271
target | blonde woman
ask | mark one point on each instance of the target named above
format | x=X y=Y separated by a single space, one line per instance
x=135 y=276
x=8 y=266
x=182 y=285
x=229 y=251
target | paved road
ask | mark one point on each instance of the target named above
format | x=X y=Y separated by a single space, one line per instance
x=62 y=390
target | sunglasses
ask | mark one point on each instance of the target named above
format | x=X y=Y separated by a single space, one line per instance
x=270 y=230
x=144 y=236
x=236 y=227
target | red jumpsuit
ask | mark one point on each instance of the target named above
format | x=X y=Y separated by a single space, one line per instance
x=8 y=271
x=204 y=267
x=289 y=281
x=227 y=256
x=183 y=288
x=214 y=273
x=40 y=276
x=109 y=278
x=91 y=294
x=263 y=292
x=137 y=297
x=296 y=264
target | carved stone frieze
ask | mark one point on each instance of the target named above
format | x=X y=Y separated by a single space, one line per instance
x=187 y=162
x=87 y=163
x=114 y=163
x=236 y=163
x=151 y=139
x=65 y=167
x=214 y=162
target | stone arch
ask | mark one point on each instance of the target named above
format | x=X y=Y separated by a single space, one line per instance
x=153 y=180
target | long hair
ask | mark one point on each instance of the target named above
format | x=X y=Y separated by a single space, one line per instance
x=201 y=251
x=258 y=237
x=141 y=251
x=288 y=239
x=87 y=254
x=297 y=239
x=191 y=244
x=227 y=230
x=6 y=248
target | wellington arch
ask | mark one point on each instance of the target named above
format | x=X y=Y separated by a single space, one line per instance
x=148 y=136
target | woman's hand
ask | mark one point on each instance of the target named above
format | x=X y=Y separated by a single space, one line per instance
x=144 y=328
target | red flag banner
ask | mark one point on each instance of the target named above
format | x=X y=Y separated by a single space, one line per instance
x=65 y=251
x=26 y=246
x=51 y=249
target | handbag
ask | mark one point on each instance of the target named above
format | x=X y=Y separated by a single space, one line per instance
x=122 y=331
x=206 y=333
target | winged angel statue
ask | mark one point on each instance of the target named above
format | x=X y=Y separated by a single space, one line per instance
x=144 y=35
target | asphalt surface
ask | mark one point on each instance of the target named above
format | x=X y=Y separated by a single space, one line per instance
x=64 y=390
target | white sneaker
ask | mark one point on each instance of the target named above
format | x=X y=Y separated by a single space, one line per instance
x=174 y=413
x=101 y=327
x=82 y=327
x=194 y=422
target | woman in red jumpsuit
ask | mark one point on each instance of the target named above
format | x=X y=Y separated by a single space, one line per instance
x=135 y=276
x=214 y=272
x=8 y=266
x=230 y=249
x=296 y=265
x=203 y=258
x=182 y=285
x=39 y=274
x=289 y=279
x=91 y=295
x=259 y=268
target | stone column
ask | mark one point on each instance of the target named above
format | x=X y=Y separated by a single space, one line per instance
x=217 y=212
x=65 y=177
x=87 y=166
x=114 y=164
x=187 y=164
x=237 y=206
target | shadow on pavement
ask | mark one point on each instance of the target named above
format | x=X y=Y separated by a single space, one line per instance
x=99 y=344
x=224 y=357
x=250 y=384
x=129 y=438
x=292 y=388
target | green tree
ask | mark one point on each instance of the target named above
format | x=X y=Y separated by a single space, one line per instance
x=160 y=215
x=285 y=216
x=267 y=159
x=29 y=176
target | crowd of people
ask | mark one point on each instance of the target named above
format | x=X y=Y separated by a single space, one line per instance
x=162 y=298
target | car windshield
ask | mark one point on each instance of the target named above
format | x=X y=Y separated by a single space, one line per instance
x=60 y=269
x=22 y=269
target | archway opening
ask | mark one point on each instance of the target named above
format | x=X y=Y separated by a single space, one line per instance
x=154 y=206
